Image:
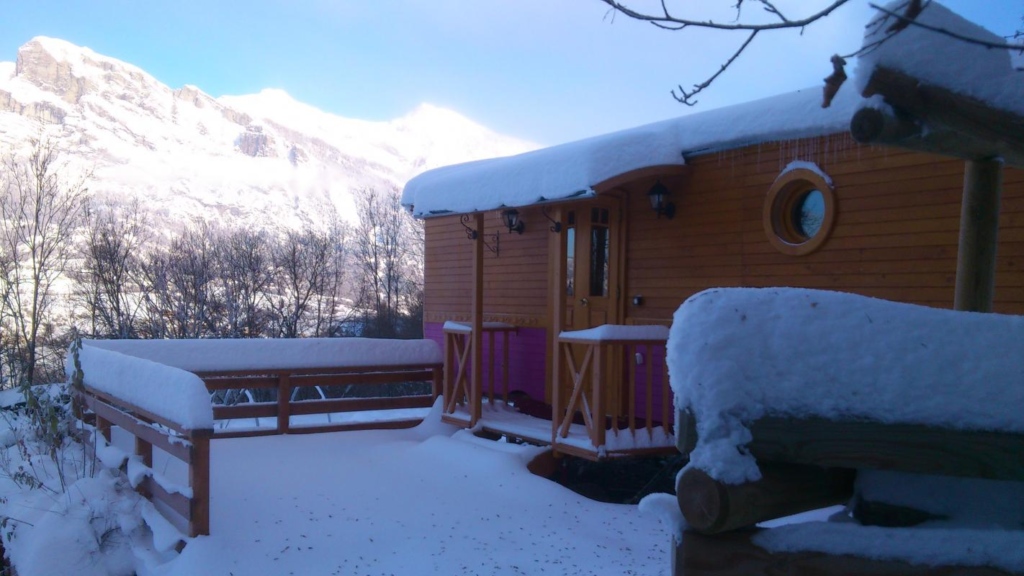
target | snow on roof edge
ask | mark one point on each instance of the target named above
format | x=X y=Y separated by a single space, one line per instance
x=562 y=171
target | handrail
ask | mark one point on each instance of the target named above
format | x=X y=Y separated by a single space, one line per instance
x=594 y=386
x=458 y=387
x=286 y=382
x=191 y=446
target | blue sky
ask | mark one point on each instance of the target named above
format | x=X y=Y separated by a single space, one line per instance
x=549 y=71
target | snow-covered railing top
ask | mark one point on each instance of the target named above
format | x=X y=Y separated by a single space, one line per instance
x=616 y=333
x=466 y=328
x=573 y=169
x=736 y=355
x=211 y=355
x=961 y=67
x=171 y=393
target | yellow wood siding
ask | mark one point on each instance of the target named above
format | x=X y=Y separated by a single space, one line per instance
x=895 y=237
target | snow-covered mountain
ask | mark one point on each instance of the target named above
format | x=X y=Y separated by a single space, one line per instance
x=263 y=159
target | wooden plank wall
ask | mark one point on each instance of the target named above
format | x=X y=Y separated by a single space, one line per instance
x=895 y=236
x=515 y=280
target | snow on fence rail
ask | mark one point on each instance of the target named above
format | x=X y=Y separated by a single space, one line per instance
x=159 y=392
x=159 y=406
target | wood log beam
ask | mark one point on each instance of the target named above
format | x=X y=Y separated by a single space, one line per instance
x=956 y=125
x=877 y=446
x=710 y=506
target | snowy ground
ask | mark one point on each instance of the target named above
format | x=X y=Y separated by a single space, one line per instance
x=429 y=500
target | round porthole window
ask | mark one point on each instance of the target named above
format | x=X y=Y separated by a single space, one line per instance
x=799 y=211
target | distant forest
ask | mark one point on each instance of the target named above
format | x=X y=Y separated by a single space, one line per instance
x=68 y=267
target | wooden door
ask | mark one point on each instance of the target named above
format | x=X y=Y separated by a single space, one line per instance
x=593 y=277
x=593 y=267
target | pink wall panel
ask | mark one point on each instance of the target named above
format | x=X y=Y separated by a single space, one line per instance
x=526 y=359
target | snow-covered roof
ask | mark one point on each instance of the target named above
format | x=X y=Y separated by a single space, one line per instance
x=737 y=354
x=936 y=58
x=574 y=169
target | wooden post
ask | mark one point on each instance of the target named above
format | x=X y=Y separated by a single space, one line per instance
x=103 y=427
x=477 y=333
x=504 y=367
x=556 y=312
x=145 y=452
x=449 y=366
x=597 y=406
x=979 y=234
x=438 y=375
x=284 y=392
x=199 y=481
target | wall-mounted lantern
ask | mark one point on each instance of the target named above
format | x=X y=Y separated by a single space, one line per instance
x=658 y=195
x=512 y=221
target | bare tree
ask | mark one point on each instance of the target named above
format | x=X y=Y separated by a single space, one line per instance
x=385 y=257
x=305 y=304
x=109 y=280
x=244 y=280
x=40 y=210
x=750 y=22
x=182 y=299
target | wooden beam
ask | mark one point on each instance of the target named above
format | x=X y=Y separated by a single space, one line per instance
x=897 y=128
x=878 y=446
x=979 y=236
x=710 y=506
x=984 y=131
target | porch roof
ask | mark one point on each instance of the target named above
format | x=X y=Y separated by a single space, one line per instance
x=579 y=168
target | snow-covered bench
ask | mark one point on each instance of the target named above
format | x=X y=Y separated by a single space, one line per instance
x=784 y=396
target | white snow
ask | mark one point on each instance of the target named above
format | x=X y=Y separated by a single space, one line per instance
x=616 y=332
x=207 y=355
x=163 y=390
x=431 y=500
x=983 y=73
x=735 y=355
x=573 y=169
x=805 y=165
x=928 y=546
x=466 y=328
x=179 y=151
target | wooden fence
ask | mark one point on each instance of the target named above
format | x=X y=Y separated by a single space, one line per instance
x=189 y=508
x=189 y=513
x=287 y=382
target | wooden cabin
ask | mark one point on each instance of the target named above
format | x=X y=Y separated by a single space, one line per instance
x=525 y=254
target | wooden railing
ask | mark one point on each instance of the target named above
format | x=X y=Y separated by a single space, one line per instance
x=189 y=513
x=604 y=385
x=286 y=383
x=459 y=390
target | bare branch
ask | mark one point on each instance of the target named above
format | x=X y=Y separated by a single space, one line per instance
x=667 y=20
x=687 y=97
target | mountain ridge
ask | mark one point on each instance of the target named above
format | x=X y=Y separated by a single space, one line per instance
x=262 y=159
